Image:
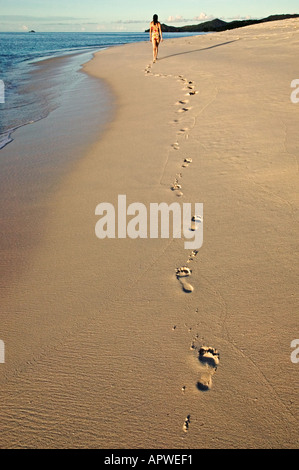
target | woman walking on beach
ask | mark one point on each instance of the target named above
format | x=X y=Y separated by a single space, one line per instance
x=155 y=36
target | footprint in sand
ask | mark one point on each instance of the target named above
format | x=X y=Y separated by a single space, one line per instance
x=183 y=131
x=187 y=162
x=176 y=146
x=183 y=110
x=195 y=221
x=192 y=93
x=192 y=256
x=182 y=102
x=176 y=186
x=186 y=423
x=182 y=273
x=208 y=362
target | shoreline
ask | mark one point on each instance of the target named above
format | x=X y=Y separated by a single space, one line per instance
x=102 y=342
x=49 y=70
x=56 y=59
x=41 y=154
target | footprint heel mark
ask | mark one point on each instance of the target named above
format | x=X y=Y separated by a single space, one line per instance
x=186 y=424
x=181 y=274
x=188 y=288
x=209 y=359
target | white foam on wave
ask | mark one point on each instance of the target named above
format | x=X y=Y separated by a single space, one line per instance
x=5 y=139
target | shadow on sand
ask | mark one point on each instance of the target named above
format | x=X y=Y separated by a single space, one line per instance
x=198 y=50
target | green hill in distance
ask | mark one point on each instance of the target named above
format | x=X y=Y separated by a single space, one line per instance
x=220 y=25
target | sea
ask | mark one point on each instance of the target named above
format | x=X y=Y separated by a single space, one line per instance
x=38 y=70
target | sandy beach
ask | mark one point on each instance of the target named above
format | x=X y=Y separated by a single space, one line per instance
x=103 y=347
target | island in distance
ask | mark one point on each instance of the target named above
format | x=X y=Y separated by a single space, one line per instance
x=218 y=25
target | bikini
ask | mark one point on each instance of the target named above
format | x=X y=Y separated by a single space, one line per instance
x=155 y=32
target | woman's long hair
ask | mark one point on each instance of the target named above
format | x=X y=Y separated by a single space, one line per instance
x=155 y=19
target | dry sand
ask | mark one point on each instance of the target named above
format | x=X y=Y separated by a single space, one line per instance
x=102 y=343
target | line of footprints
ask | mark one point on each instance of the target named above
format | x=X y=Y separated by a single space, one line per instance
x=207 y=358
x=185 y=272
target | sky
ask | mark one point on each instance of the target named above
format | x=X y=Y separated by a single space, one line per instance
x=129 y=15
